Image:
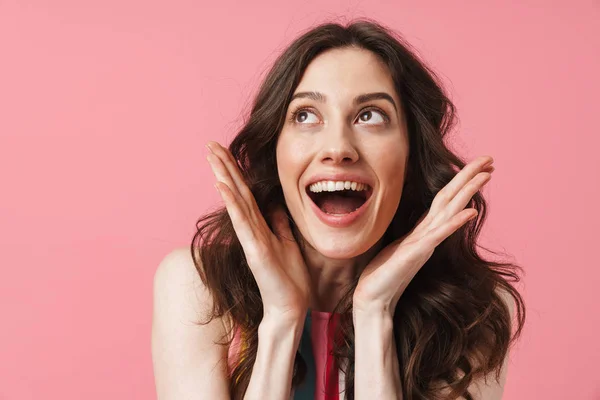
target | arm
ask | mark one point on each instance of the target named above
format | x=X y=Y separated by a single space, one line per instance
x=272 y=373
x=187 y=364
x=376 y=374
x=376 y=365
x=277 y=264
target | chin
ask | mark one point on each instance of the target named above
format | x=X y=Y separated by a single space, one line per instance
x=341 y=247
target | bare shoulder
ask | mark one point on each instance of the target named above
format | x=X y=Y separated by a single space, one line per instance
x=178 y=288
x=187 y=363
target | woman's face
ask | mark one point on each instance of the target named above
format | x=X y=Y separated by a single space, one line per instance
x=354 y=142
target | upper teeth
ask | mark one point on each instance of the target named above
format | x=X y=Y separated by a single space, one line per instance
x=332 y=186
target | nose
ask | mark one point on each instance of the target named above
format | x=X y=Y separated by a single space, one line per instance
x=337 y=147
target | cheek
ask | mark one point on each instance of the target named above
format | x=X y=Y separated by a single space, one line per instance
x=390 y=169
x=290 y=162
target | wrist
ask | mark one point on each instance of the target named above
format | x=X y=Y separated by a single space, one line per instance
x=372 y=309
x=281 y=325
x=373 y=316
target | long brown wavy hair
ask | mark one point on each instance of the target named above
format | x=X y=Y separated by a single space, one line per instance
x=450 y=325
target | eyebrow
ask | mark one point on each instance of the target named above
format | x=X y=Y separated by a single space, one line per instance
x=362 y=98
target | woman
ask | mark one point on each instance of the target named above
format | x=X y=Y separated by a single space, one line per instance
x=342 y=205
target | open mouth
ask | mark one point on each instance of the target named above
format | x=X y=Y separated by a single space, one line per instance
x=340 y=202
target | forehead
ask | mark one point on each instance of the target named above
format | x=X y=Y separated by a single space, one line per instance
x=341 y=74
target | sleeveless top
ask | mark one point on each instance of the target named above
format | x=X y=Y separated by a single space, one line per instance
x=323 y=381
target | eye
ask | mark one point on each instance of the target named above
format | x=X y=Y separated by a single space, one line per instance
x=366 y=115
x=302 y=112
x=369 y=116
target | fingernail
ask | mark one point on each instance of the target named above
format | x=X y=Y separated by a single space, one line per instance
x=207 y=145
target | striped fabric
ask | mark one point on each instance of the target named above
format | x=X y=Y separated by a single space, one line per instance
x=323 y=380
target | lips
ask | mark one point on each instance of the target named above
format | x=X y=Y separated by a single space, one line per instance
x=339 y=201
x=340 y=220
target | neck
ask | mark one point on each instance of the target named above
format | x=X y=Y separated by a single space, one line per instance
x=332 y=278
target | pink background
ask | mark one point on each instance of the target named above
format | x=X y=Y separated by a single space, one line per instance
x=104 y=110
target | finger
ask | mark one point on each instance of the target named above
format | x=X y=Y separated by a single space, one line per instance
x=218 y=150
x=464 y=196
x=234 y=171
x=239 y=185
x=439 y=234
x=431 y=217
x=447 y=193
x=238 y=216
x=222 y=174
x=460 y=201
x=250 y=237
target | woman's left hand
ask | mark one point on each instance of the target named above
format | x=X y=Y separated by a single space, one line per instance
x=386 y=277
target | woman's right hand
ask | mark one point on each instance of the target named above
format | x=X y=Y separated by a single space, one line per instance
x=277 y=264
